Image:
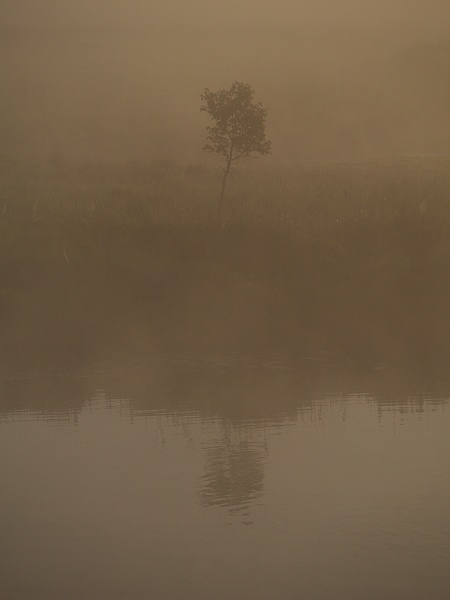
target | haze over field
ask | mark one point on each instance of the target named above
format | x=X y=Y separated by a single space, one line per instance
x=122 y=81
x=224 y=384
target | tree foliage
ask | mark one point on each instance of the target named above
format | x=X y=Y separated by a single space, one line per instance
x=239 y=128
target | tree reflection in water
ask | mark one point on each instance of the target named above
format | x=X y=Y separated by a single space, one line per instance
x=234 y=470
x=239 y=401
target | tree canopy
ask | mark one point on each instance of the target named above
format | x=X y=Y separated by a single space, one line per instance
x=239 y=128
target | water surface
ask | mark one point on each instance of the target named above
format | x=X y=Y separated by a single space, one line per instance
x=224 y=479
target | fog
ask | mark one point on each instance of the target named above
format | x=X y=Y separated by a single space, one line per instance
x=122 y=81
x=224 y=387
x=401 y=18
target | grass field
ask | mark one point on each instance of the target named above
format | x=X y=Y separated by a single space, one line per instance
x=349 y=258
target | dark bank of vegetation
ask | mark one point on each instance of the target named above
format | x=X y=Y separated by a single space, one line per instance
x=350 y=258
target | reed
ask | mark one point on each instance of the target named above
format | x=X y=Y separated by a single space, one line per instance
x=348 y=257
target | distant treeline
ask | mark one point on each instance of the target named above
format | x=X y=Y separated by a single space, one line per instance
x=351 y=258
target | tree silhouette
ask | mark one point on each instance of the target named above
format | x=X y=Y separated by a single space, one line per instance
x=239 y=128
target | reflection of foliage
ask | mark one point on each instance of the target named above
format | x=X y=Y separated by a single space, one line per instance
x=241 y=393
x=234 y=472
x=46 y=395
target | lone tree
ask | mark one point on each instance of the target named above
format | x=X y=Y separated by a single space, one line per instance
x=239 y=126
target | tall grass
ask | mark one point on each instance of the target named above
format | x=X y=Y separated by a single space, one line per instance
x=348 y=257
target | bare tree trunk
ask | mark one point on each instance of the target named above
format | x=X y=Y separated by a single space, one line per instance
x=224 y=180
x=222 y=192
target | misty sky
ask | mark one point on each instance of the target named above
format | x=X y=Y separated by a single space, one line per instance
x=123 y=79
x=404 y=18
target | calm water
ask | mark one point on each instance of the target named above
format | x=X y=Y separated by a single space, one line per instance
x=238 y=479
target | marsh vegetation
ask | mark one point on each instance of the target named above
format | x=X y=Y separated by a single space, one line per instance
x=349 y=257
